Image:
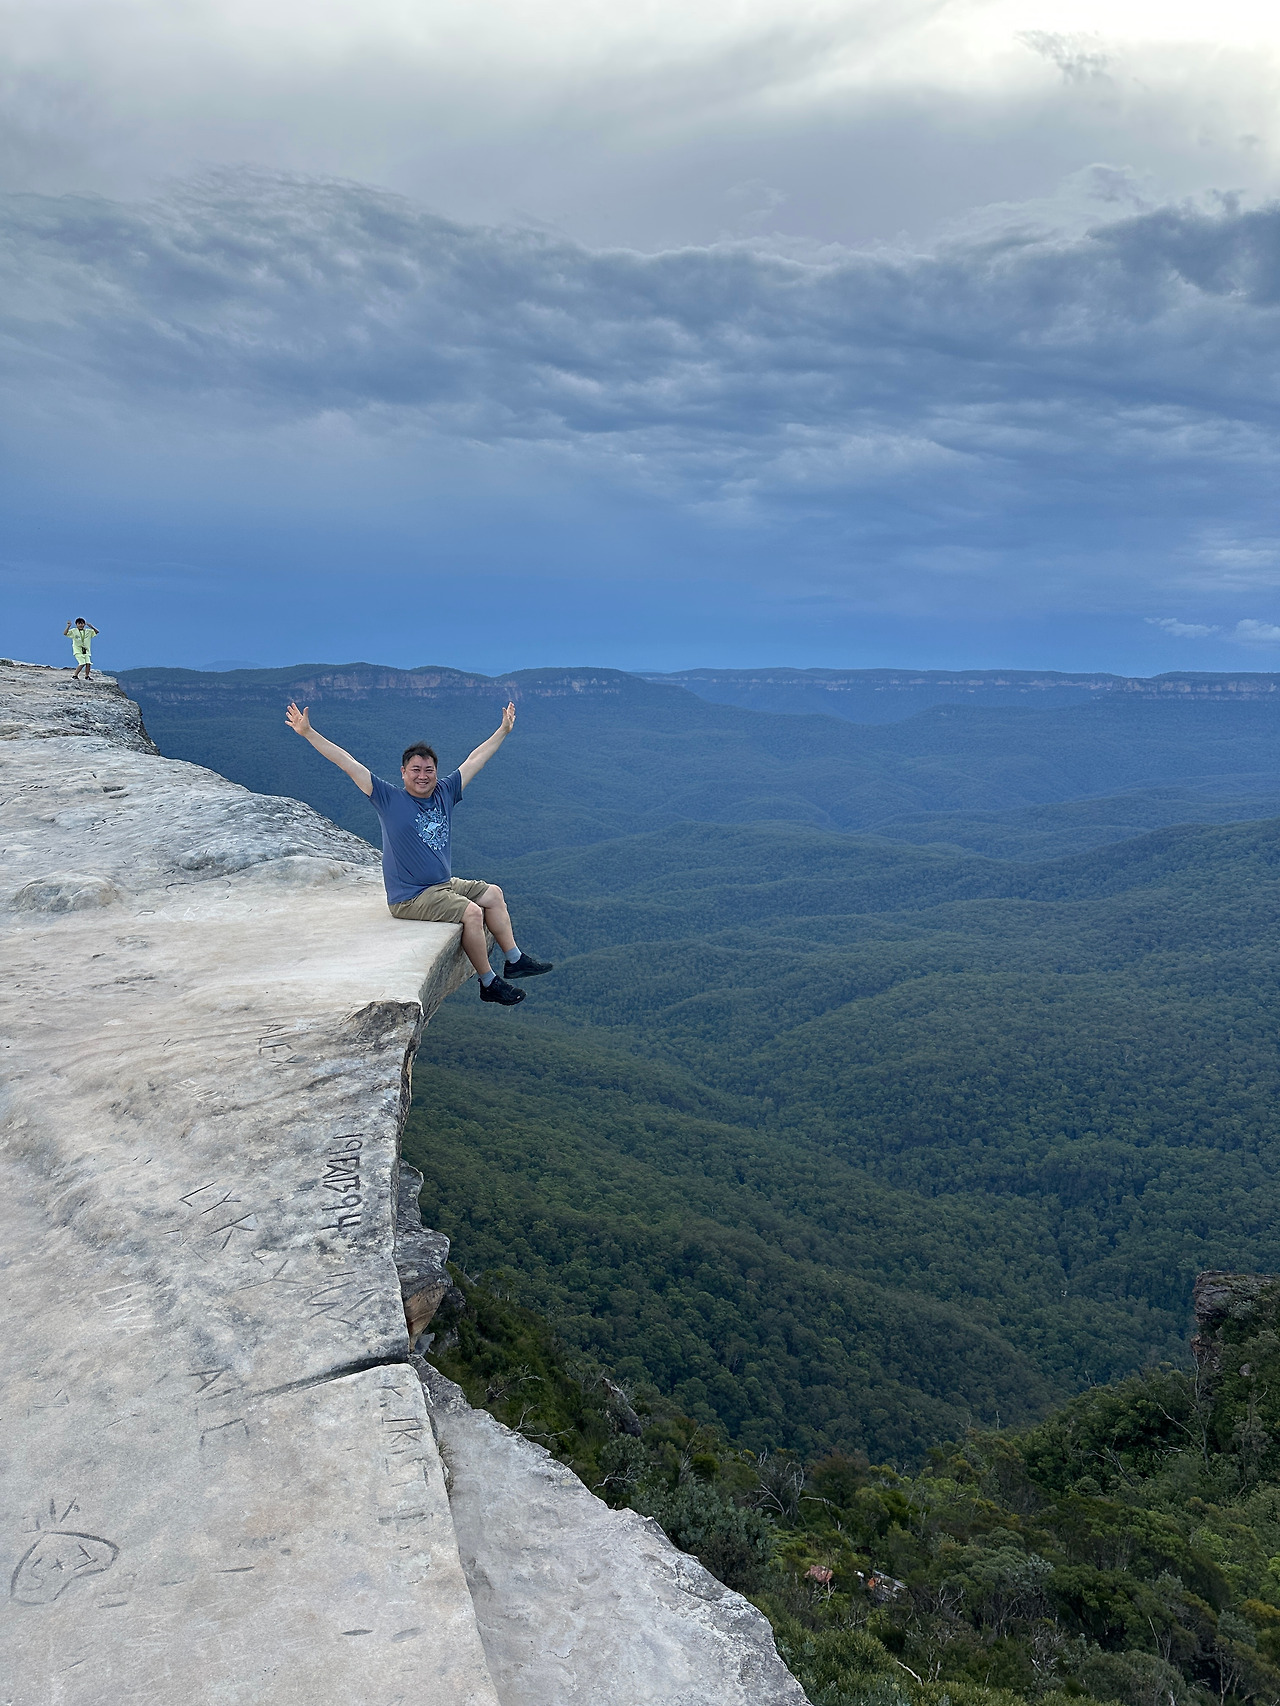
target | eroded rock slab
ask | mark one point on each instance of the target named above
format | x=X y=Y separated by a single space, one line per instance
x=579 y=1604
x=217 y=1481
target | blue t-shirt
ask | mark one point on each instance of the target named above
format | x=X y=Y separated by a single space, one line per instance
x=415 y=836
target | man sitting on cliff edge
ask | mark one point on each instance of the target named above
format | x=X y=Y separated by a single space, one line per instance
x=415 y=823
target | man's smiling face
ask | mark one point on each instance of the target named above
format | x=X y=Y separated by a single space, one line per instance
x=419 y=777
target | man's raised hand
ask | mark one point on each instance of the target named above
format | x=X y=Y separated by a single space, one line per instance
x=300 y=723
x=476 y=761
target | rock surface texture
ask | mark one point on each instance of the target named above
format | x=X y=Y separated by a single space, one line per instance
x=579 y=1604
x=220 y=1482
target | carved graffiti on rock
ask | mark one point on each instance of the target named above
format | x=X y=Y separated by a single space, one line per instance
x=349 y=1297
x=342 y=1180
x=56 y=1560
x=221 y=1204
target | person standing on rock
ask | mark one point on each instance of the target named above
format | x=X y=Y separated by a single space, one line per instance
x=416 y=869
x=82 y=637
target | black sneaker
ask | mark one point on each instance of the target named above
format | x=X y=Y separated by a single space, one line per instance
x=502 y=993
x=526 y=966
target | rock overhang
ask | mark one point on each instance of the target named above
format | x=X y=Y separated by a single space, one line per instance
x=219 y=1480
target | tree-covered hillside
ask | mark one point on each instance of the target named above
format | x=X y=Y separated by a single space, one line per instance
x=889 y=695
x=967 y=1129
x=843 y=1141
x=1127 y=1548
x=600 y=754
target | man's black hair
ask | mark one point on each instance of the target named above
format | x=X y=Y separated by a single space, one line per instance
x=419 y=749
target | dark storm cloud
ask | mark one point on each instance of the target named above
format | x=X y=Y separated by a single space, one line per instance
x=1130 y=370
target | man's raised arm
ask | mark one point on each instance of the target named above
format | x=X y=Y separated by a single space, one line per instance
x=484 y=752
x=300 y=723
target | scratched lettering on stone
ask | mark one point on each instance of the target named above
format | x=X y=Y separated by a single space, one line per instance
x=207 y=1379
x=118 y=1594
x=56 y=1560
x=342 y=1181
x=225 y=1435
x=202 y=1093
x=125 y=1308
x=273 y=1266
x=218 y=1208
x=406 y=1503
x=349 y=1298
x=58 y=1401
x=276 y=1048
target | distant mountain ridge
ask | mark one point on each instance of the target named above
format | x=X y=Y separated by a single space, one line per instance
x=356 y=681
x=604 y=753
x=846 y=693
x=887 y=695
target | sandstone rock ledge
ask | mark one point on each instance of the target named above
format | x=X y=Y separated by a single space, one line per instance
x=220 y=1483
x=579 y=1604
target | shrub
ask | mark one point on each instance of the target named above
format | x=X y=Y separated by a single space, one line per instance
x=733 y=1543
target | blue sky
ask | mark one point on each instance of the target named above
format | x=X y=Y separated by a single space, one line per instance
x=938 y=334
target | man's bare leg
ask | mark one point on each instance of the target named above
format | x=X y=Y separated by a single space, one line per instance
x=497 y=919
x=489 y=912
x=475 y=944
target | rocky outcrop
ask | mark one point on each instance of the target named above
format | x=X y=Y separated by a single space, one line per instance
x=219 y=1476
x=421 y=1256
x=358 y=681
x=579 y=1604
x=1229 y=1305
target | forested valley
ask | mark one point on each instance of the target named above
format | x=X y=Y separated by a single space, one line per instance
x=839 y=1198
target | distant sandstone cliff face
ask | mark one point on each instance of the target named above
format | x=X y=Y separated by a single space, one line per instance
x=357 y=681
x=981 y=684
x=221 y=1480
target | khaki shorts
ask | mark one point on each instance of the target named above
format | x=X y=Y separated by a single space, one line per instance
x=443 y=903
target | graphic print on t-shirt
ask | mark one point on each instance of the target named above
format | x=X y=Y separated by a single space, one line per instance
x=433 y=828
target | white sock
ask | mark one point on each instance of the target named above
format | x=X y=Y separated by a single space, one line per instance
x=486 y=978
x=514 y=955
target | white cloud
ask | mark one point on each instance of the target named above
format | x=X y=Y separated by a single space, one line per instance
x=910 y=301
x=1252 y=633
x=1184 y=630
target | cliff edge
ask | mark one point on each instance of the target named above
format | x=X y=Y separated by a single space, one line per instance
x=219 y=1478
x=219 y=1473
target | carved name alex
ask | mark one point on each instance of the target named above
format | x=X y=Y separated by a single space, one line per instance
x=415 y=820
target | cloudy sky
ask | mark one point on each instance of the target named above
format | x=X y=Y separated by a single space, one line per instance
x=923 y=332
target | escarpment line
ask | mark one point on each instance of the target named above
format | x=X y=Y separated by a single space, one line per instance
x=218 y=1461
